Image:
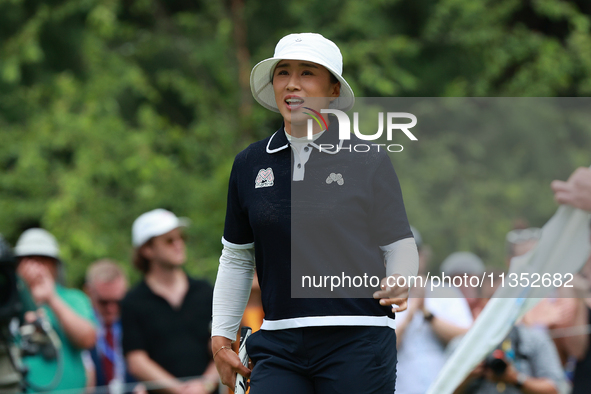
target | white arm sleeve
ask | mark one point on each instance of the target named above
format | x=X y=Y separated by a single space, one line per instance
x=401 y=257
x=232 y=288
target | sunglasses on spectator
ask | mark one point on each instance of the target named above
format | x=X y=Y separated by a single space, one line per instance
x=171 y=240
x=524 y=235
x=104 y=302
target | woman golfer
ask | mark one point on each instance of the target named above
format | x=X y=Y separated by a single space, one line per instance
x=316 y=203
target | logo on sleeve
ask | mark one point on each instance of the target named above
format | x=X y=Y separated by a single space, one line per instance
x=265 y=178
x=338 y=178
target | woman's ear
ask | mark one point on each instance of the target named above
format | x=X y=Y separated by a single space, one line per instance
x=336 y=90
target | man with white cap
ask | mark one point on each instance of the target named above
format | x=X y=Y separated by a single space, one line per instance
x=68 y=310
x=166 y=317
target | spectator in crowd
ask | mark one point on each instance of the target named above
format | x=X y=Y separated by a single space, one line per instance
x=548 y=312
x=519 y=241
x=430 y=323
x=532 y=363
x=576 y=339
x=577 y=193
x=106 y=285
x=166 y=317
x=572 y=335
x=68 y=310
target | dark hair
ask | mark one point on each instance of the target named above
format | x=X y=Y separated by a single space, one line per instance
x=333 y=78
x=140 y=262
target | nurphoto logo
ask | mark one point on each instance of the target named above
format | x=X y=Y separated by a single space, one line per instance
x=345 y=129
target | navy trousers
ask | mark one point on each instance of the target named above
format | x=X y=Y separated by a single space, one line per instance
x=323 y=360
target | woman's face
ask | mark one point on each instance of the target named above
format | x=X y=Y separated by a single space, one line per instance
x=298 y=84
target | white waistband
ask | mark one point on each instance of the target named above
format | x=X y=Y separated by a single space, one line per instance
x=319 y=321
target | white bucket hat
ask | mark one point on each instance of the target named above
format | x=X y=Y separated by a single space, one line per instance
x=37 y=242
x=154 y=223
x=310 y=47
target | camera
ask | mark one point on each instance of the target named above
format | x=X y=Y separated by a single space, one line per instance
x=10 y=304
x=496 y=361
x=10 y=308
x=36 y=337
x=505 y=354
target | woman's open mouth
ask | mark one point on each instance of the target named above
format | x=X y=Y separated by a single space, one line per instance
x=294 y=102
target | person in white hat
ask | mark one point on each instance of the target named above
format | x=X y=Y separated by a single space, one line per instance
x=68 y=310
x=291 y=202
x=166 y=317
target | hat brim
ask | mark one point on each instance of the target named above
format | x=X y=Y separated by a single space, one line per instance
x=262 y=87
x=34 y=250
x=28 y=252
x=181 y=222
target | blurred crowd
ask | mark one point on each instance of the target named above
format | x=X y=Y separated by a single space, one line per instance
x=545 y=352
x=156 y=335
x=112 y=338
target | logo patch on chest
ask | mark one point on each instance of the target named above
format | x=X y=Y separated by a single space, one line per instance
x=338 y=178
x=265 y=178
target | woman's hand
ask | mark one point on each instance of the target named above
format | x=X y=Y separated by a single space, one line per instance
x=392 y=293
x=227 y=362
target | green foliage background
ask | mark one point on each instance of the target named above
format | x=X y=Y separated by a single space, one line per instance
x=110 y=108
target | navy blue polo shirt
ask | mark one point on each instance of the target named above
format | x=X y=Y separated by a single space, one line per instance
x=336 y=218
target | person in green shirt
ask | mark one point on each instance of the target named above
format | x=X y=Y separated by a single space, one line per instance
x=68 y=310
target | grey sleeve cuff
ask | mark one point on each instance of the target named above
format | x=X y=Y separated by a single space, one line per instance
x=401 y=257
x=232 y=289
